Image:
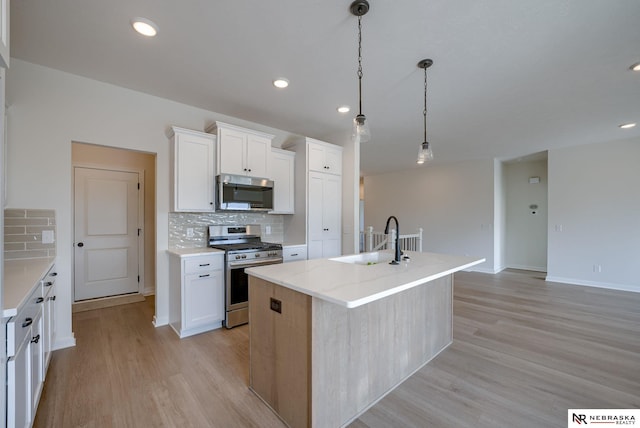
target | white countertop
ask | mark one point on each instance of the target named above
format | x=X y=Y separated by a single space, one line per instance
x=352 y=285
x=193 y=252
x=20 y=278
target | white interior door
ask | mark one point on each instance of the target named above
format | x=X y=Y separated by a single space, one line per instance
x=106 y=233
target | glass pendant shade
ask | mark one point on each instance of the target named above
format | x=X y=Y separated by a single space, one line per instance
x=361 y=129
x=425 y=153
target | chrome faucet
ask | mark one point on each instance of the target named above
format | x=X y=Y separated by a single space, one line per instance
x=395 y=261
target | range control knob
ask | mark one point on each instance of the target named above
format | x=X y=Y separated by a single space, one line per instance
x=237 y=257
x=257 y=255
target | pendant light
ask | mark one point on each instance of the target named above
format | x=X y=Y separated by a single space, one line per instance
x=425 y=153
x=361 y=130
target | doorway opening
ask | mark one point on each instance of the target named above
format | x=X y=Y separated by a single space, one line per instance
x=114 y=225
x=526 y=213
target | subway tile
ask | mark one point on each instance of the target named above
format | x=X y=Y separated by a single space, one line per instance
x=14 y=230
x=22 y=238
x=14 y=246
x=14 y=213
x=38 y=246
x=41 y=213
x=12 y=255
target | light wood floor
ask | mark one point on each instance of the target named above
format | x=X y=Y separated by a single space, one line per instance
x=524 y=352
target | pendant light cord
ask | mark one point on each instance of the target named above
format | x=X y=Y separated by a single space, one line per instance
x=360 y=62
x=424 y=112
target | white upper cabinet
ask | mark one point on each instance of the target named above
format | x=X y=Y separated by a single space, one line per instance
x=4 y=33
x=283 y=170
x=193 y=171
x=242 y=151
x=324 y=157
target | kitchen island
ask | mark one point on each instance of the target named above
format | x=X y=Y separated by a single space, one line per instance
x=330 y=337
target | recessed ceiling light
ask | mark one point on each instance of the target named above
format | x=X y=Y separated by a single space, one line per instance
x=627 y=125
x=145 y=26
x=635 y=67
x=281 y=83
x=343 y=109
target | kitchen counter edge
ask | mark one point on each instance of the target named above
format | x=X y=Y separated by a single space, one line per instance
x=21 y=277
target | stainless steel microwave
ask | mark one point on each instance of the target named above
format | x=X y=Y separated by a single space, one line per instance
x=241 y=193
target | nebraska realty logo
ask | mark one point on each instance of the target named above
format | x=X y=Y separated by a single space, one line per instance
x=599 y=417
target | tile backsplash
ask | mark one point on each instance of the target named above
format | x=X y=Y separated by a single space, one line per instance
x=180 y=222
x=23 y=233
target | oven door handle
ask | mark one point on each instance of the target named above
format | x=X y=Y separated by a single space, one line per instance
x=253 y=263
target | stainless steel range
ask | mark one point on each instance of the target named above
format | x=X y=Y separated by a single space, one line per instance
x=243 y=248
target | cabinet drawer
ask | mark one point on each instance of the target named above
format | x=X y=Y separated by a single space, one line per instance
x=203 y=264
x=294 y=252
x=20 y=325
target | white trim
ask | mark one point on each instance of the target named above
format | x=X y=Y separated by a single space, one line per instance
x=64 y=342
x=159 y=322
x=609 y=286
x=484 y=270
x=542 y=269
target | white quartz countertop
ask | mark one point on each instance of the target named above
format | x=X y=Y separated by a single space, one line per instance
x=20 y=279
x=193 y=252
x=352 y=285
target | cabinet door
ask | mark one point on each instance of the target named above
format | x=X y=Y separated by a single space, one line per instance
x=37 y=362
x=331 y=204
x=49 y=325
x=316 y=157
x=194 y=174
x=333 y=160
x=203 y=294
x=282 y=174
x=19 y=385
x=232 y=152
x=258 y=156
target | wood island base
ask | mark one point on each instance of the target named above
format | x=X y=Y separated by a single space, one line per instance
x=318 y=364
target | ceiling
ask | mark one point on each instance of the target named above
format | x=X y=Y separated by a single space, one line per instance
x=510 y=78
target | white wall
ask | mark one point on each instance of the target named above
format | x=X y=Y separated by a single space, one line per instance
x=47 y=110
x=594 y=215
x=350 y=197
x=500 y=216
x=526 y=233
x=453 y=203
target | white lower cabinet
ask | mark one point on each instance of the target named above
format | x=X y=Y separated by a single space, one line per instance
x=19 y=384
x=197 y=293
x=292 y=253
x=30 y=336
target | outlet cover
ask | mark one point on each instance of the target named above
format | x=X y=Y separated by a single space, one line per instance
x=47 y=237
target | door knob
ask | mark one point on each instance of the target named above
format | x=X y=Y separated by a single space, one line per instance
x=80 y=244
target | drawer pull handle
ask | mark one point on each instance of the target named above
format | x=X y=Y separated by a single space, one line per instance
x=204 y=276
x=294 y=254
x=48 y=284
x=27 y=322
x=205 y=264
x=53 y=274
x=40 y=300
x=52 y=298
x=35 y=339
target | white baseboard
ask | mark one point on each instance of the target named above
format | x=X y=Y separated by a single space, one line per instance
x=482 y=270
x=610 y=286
x=149 y=291
x=527 y=267
x=159 y=322
x=64 y=342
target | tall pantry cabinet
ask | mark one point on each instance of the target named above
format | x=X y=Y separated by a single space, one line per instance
x=318 y=214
